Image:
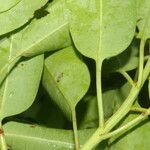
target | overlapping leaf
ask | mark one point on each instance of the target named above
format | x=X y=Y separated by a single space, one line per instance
x=126 y=61
x=19 y=15
x=102 y=28
x=143 y=18
x=46 y=34
x=66 y=78
x=20 y=87
x=26 y=136
x=7 y=5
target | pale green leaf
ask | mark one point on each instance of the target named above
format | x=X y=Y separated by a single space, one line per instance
x=25 y=136
x=112 y=100
x=7 y=5
x=46 y=34
x=102 y=28
x=126 y=61
x=21 y=85
x=4 y=51
x=135 y=139
x=66 y=78
x=90 y=118
x=19 y=15
x=143 y=18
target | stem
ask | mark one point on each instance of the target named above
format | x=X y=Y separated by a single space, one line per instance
x=140 y=110
x=141 y=61
x=122 y=111
x=129 y=79
x=146 y=71
x=75 y=130
x=129 y=125
x=3 y=145
x=99 y=136
x=99 y=94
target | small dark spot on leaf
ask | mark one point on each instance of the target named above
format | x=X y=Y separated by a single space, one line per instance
x=60 y=76
x=22 y=64
x=139 y=19
x=11 y=93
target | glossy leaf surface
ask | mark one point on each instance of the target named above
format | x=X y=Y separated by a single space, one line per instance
x=143 y=17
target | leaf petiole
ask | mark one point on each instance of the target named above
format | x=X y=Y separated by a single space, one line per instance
x=129 y=79
x=75 y=129
x=122 y=111
x=141 y=61
x=99 y=93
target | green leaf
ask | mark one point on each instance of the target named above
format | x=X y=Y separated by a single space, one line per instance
x=102 y=29
x=19 y=15
x=44 y=112
x=90 y=118
x=35 y=40
x=25 y=136
x=7 y=5
x=55 y=35
x=135 y=139
x=4 y=51
x=126 y=61
x=66 y=78
x=143 y=17
x=21 y=85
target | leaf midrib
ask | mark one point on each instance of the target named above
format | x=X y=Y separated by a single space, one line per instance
x=45 y=37
x=65 y=97
x=145 y=24
x=11 y=7
x=56 y=142
x=100 y=27
x=5 y=84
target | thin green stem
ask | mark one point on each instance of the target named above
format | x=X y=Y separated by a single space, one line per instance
x=75 y=130
x=99 y=94
x=129 y=79
x=141 y=61
x=146 y=71
x=137 y=109
x=122 y=111
x=128 y=126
